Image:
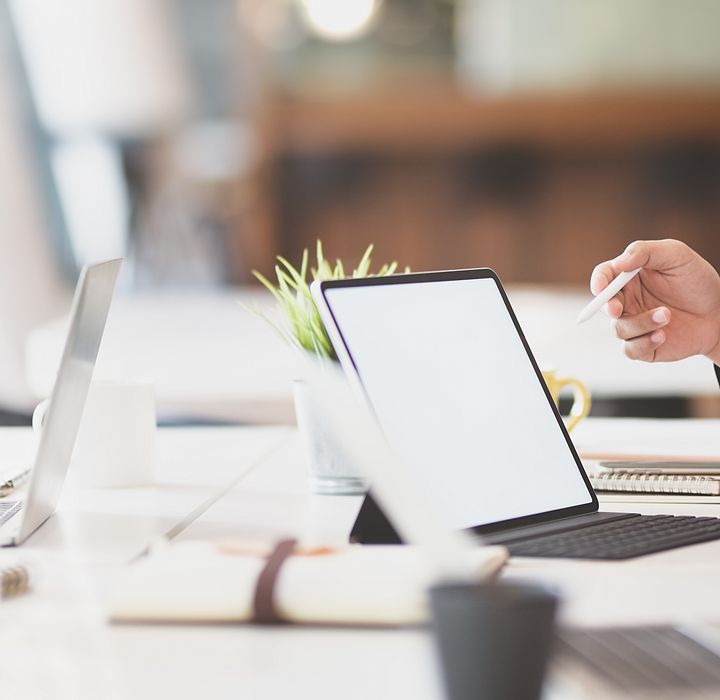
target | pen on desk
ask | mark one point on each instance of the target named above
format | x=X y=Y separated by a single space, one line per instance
x=9 y=485
x=608 y=293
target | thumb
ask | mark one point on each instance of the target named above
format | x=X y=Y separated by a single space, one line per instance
x=652 y=255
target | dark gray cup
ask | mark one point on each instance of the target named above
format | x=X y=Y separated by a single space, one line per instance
x=494 y=640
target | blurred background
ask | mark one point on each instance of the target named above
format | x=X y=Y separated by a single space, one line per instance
x=200 y=139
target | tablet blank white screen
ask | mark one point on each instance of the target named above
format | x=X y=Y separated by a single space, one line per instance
x=458 y=399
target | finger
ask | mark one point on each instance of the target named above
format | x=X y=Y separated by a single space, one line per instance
x=614 y=308
x=629 y=327
x=601 y=277
x=644 y=347
x=652 y=255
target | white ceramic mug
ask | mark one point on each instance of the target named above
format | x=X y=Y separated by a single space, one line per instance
x=115 y=446
x=38 y=416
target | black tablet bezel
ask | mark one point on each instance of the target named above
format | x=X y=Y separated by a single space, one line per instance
x=468 y=274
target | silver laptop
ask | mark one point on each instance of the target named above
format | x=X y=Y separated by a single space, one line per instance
x=93 y=295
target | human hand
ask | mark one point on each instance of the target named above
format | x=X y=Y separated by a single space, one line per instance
x=671 y=310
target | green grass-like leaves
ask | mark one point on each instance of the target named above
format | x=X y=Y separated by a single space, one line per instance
x=301 y=324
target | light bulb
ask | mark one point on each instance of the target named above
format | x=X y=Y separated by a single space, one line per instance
x=338 y=20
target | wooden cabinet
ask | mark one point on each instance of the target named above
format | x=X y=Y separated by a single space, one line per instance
x=539 y=187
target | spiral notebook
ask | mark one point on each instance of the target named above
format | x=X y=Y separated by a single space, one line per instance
x=645 y=482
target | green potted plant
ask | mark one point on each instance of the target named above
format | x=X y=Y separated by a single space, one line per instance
x=299 y=323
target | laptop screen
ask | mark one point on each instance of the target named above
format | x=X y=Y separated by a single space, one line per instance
x=448 y=375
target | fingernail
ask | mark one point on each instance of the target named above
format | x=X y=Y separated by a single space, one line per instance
x=660 y=316
x=657 y=337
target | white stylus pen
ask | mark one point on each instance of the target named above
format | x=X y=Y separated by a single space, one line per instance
x=608 y=293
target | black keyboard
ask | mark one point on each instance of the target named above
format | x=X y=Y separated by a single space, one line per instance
x=620 y=539
x=643 y=661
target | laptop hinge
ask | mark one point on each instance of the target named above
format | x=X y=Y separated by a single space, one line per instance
x=575 y=522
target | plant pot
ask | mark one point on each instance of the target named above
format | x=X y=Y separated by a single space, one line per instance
x=330 y=471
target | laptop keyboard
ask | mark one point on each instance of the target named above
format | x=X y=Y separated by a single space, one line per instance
x=8 y=509
x=623 y=539
x=647 y=660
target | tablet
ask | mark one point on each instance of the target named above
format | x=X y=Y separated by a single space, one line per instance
x=443 y=363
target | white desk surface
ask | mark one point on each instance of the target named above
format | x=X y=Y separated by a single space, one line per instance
x=210 y=357
x=55 y=642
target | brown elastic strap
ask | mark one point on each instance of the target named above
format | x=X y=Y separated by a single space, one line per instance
x=264 y=611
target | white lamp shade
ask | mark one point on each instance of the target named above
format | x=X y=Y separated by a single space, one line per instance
x=103 y=65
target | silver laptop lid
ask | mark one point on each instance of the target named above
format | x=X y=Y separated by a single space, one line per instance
x=91 y=304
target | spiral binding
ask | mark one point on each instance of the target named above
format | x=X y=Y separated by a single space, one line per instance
x=14 y=581
x=634 y=482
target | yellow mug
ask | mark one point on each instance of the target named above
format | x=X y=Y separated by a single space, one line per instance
x=581 y=399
